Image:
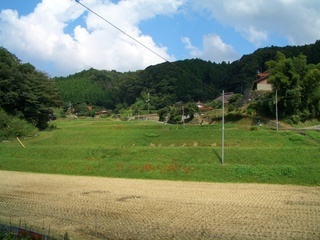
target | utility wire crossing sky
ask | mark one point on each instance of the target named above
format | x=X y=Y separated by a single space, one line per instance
x=134 y=39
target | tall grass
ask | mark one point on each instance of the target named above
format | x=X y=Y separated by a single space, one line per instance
x=157 y=151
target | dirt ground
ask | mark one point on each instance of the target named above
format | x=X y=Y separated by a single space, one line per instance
x=108 y=208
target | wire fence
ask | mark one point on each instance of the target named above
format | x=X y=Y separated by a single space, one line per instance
x=39 y=225
x=26 y=230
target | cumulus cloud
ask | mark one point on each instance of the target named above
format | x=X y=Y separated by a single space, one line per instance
x=194 y=51
x=63 y=37
x=296 y=21
x=214 y=49
x=42 y=35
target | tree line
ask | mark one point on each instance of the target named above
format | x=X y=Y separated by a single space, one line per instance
x=28 y=94
x=167 y=83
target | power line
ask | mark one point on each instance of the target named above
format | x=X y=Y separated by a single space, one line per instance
x=143 y=45
x=128 y=35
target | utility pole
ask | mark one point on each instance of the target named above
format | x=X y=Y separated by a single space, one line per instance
x=148 y=105
x=70 y=110
x=277 y=123
x=222 y=141
x=183 y=116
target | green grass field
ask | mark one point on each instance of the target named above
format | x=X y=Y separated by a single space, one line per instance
x=157 y=151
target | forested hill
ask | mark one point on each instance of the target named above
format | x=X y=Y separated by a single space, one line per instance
x=167 y=83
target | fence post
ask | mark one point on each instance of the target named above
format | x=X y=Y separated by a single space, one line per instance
x=95 y=224
x=65 y=237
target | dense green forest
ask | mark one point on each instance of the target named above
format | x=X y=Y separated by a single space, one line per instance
x=27 y=94
x=170 y=82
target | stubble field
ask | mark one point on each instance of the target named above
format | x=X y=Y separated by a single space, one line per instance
x=111 y=208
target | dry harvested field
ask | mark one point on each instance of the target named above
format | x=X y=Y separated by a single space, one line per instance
x=109 y=208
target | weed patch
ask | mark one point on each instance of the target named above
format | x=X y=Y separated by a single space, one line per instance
x=243 y=171
x=287 y=171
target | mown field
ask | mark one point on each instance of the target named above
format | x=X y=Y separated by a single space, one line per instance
x=152 y=150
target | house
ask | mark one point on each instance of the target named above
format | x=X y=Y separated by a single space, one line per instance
x=204 y=108
x=262 y=82
x=227 y=96
x=101 y=113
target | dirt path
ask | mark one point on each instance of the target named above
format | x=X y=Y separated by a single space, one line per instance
x=108 y=208
x=317 y=127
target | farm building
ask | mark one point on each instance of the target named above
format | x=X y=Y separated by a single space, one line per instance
x=227 y=96
x=203 y=107
x=262 y=82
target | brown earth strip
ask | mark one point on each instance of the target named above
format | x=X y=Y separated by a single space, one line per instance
x=109 y=208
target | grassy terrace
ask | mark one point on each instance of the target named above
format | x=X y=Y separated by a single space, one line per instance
x=156 y=151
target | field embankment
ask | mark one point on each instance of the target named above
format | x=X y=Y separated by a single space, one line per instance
x=157 y=151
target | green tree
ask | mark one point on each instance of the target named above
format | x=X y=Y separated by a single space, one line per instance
x=311 y=92
x=26 y=92
x=11 y=126
x=177 y=112
x=297 y=85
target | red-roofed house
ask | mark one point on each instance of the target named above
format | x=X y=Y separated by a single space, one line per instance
x=262 y=82
x=203 y=107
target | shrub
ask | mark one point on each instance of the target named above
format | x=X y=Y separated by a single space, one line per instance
x=163 y=112
x=11 y=127
x=253 y=128
x=231 y=108
x=235 y=98
x=295 y=119
x=233 y=116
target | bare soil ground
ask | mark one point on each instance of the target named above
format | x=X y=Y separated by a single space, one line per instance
x=108 y=208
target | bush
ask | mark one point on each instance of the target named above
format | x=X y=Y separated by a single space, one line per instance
x=253 y=128
x=235 y=98
x=162 y=113
x=295 y=119
x=216 y=104
x=231 y=108
x=233 y=116
x=11 y=127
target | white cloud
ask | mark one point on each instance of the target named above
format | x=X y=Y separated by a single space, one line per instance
x=41 y=35
x=255 y=36
x=194 y=51
x=214 y=49
x=62 y=34
x=297 y=21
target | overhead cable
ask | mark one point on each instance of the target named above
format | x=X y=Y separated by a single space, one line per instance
x=143 y=45
x=134 y=39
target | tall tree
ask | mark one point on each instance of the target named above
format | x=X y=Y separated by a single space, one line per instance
x=26 y=92
x=297 y=85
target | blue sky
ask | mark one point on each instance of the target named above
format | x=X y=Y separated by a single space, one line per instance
x=61 y=37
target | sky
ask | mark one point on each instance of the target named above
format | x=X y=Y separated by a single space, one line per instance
x=62 y=37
